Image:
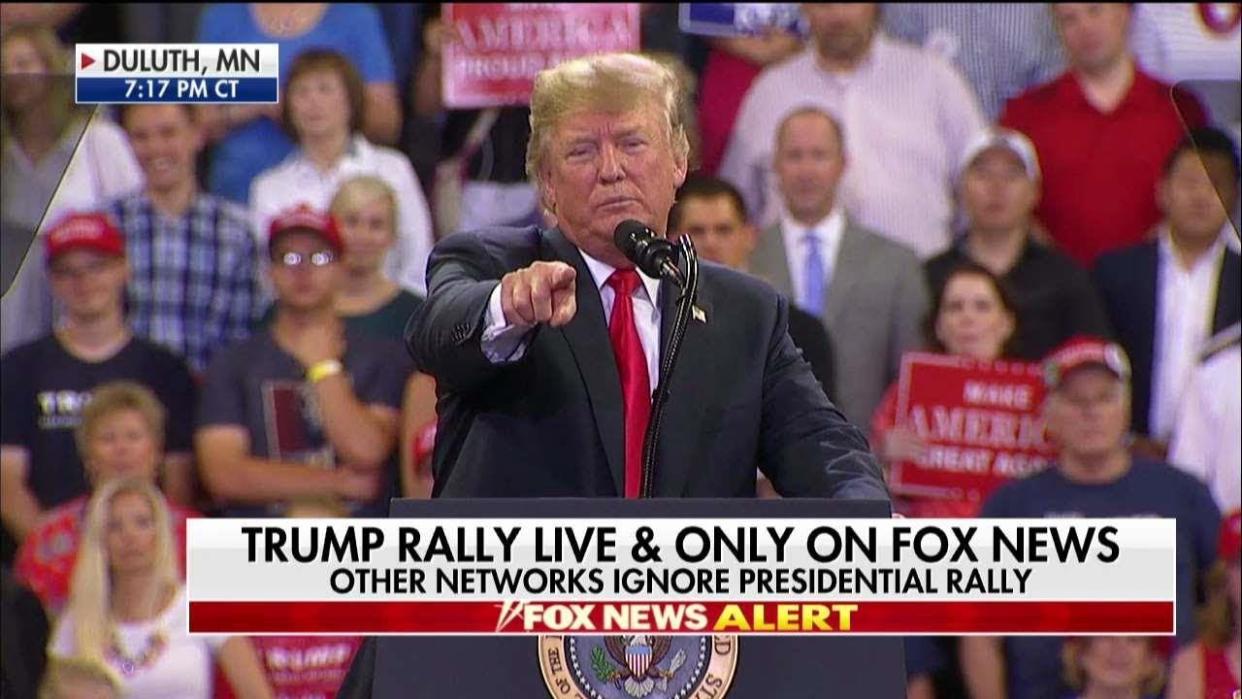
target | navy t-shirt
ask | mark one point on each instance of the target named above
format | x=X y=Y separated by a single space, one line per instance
x=1148 y=489
x=46 y=387
x=259 y=386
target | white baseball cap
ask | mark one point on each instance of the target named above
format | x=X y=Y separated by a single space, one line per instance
x=1012 y=141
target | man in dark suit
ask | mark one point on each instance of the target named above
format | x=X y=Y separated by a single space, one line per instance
x=545 y=343
x=712 y=212
x=1166 y=297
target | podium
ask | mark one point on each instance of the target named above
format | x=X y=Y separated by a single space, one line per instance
x=766 y=667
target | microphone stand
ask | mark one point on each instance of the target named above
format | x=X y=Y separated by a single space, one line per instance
x=685 y=310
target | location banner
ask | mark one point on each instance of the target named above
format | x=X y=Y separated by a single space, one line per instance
x=177 y=73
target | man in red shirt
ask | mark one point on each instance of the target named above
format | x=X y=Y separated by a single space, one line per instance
x=121 y=436
x=1102 y=131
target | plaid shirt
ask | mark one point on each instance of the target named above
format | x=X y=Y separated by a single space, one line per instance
x=193 y=286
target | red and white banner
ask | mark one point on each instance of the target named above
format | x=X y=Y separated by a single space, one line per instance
x=981 y=422
x=745 y=576
x=492 y=51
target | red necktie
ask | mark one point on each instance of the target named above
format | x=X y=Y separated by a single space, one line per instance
x=632 y=366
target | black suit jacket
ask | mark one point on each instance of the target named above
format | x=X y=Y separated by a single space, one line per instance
x=550 y=424
x=1129 y=283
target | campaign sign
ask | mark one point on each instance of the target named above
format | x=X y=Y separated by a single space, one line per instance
x=739 y=18
x=981 y=422
x=493 y=51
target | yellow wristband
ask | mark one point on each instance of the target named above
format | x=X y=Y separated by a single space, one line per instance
x=322 y=370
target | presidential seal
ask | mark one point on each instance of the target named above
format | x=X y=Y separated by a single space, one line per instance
x=638 y=666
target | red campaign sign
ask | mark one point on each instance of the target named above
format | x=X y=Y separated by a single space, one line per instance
x=494 y=50
x=981 y=422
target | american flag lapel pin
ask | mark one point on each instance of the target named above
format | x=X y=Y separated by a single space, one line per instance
x=698 y=314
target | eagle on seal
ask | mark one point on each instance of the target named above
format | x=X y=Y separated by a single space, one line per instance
x=639 y=657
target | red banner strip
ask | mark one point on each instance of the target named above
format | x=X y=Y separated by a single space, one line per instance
x=421 y=617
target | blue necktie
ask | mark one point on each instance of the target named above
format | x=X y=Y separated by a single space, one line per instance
x=812 y=300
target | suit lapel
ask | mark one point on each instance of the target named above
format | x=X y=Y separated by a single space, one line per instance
x=587 y=336
x=1146 y=300
x=1228 y=293
x=770 y=261
x=690 y=390
x=850 y=262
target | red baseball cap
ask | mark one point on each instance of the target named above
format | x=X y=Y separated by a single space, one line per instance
x=85 y=231
x=1229 y=545
x=1083 y=351
x=304 y=218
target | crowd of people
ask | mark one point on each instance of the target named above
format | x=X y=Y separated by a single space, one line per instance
x=205 y=308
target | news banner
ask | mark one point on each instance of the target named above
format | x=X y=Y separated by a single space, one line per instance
x=177 y=73
x=681 y=576
x=673 y=576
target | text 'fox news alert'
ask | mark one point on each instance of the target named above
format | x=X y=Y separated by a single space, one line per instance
x=177 y=73
x=737 y=576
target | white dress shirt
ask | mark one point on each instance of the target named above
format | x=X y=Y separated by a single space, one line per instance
x=1185 y=303
x=828 y=233
x=907 y=115
x=1205 y=442
x=504 y=342
x=299 y=181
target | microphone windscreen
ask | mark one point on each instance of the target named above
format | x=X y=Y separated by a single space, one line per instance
x=627 y=235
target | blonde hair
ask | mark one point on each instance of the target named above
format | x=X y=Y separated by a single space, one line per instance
x=614 y=82
x=688 y=87
x=356 y=189
x=118 y=396
x=1071 y=666
x=90 y=591
x=60 y=109
x=77 y=669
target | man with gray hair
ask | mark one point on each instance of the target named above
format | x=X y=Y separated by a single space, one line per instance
x=546 y=344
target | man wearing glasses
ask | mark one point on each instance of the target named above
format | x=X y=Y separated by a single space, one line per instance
x=304 y=412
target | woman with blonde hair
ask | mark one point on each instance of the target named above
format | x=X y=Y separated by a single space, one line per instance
x=127 y=607
x=365 y=207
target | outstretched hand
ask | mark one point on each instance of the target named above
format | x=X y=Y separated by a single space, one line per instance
x=544 y=292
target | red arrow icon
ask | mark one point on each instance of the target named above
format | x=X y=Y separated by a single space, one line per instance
x=86 y=61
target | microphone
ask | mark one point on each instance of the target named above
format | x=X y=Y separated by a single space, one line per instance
x=655 y=256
